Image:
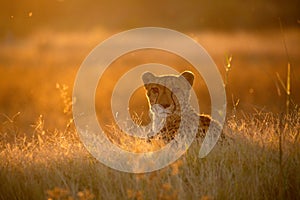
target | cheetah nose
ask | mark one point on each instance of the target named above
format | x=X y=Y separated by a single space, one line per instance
x=165 y=105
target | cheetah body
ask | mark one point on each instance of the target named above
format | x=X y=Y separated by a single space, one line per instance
x=170 y=109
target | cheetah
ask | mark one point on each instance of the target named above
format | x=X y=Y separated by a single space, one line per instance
x=169 y=98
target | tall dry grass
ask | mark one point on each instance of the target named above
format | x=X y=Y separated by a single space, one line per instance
x=55 y=165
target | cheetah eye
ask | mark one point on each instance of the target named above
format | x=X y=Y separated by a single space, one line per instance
x=154 y=90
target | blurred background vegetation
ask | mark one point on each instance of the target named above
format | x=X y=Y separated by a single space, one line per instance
x=23 y=17
x=43 y=43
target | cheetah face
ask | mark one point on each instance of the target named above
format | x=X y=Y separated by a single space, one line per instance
x=166 y=93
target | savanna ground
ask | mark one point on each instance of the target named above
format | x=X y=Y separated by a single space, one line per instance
x=42 y=157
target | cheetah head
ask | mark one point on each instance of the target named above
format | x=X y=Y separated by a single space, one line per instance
x=166 y=93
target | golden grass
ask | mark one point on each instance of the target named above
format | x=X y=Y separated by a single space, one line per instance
x=56 y=165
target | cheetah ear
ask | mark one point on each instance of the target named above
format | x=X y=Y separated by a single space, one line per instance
x=148 y=77
x=189 y=76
